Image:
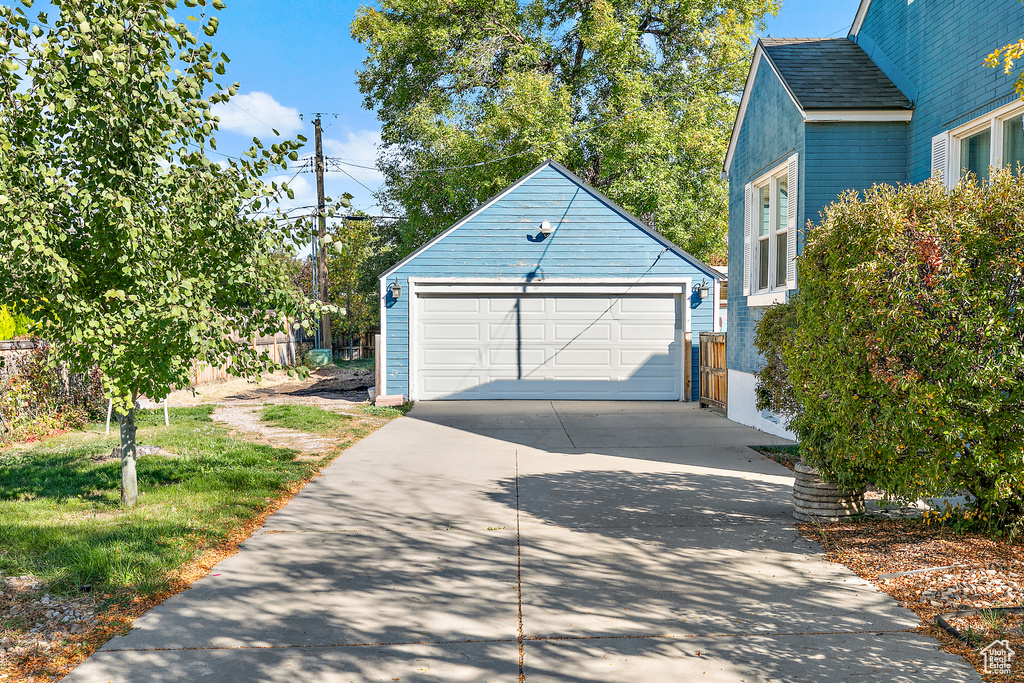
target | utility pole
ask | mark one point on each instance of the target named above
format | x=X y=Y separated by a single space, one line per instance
x=321 y=264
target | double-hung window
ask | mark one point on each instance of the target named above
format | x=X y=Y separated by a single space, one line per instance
x=770 y=251
x=996 y=139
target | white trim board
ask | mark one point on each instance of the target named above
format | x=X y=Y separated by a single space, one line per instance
x=858 y=20
x=630 y=218
x=381 y=354
x=866 y=115
x=656 y=285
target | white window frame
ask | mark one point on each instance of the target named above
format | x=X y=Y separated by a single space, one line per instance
x=773 y=293
x=948 y=142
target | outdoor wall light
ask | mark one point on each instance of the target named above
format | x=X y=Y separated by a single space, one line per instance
x=703 y=290
x=395 y=289
x=546 y=228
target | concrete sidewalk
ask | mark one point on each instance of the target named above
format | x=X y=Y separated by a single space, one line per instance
x=538 y=541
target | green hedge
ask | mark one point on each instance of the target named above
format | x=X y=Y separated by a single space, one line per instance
x=12 y=325
x=905 y=347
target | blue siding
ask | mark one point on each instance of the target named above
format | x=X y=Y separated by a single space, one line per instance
x=937 y=49
x=833 y=158
x=934 y=51
x=772 y=130
x=590 y=241
x=845 y=156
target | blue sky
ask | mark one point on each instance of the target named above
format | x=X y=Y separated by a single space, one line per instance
x=295 y=58
x=298 y=57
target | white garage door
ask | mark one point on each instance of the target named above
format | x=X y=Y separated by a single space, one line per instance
x=548 y=347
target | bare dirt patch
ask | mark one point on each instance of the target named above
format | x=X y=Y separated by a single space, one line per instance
x=324 y=386
x=246 y=422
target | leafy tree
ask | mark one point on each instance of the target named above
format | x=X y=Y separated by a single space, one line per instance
x=136 y=252
x=1007 y=56
x=358 y=251
x=636 y=97
x=12 y=323
x=905 y=350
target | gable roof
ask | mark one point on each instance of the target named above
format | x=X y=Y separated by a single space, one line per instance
x=597 y=194
x=829 y=81
x=832 y=73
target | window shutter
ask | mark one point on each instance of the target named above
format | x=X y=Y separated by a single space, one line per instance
x=749 y=213
x=940 y=158
x=792 y=204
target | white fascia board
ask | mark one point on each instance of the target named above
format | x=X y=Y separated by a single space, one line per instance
x=759 y=53
x=868 y=115
x=858 y=20
x=381 y=354
x=484 y=286
x=388 y=273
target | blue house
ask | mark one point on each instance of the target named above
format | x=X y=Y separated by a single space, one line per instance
x=547 y=291
x=904 y=97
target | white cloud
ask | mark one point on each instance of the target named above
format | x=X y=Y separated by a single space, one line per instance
x=256 y=114
x=359 y=147
x=305 y=194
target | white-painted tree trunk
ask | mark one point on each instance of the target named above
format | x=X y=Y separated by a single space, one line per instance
x=129 y=480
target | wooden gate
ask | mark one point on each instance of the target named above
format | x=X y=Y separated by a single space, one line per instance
x=713 y=380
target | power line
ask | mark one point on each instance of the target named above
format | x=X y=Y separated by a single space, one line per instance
x=251 y=115
x=339 y=167
x=535 y=148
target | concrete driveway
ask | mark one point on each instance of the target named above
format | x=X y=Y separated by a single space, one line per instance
x=537 y=541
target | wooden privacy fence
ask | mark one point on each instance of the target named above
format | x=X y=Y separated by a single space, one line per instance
x=284 y=348
x=713 y=379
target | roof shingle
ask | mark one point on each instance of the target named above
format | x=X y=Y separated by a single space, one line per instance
x=832 y=73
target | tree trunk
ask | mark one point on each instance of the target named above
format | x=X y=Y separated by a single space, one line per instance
x=129 y=481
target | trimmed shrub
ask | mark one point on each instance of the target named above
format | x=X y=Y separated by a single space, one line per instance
x=12 y=325
x=774 y=332
x=39 y=397
x=906 y=358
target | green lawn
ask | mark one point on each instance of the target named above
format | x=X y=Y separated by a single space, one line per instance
x=304 y=418
x=360 y=364
x=60 y=517
x=384 y=411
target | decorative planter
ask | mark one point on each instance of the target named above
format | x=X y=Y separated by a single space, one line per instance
x=816 y=500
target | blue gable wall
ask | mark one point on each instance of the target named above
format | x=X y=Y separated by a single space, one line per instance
x=849 y=156
x=833 y=158
x=934 y=50
x=591 y=240
x=772 y=130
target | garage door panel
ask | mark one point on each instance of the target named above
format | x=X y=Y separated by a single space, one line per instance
x=644 y=332
x=450 y=332
x=452 y=357
x=507 y=305
x=447 y=386
x=583 y=358
x=582 y=332
x=648 y=305
x=501 y=332
x=449 y=304
x=512 y=358
x=566 y=347
x=582 y=304
x=640 y=358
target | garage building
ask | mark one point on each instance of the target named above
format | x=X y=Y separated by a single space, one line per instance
x=547 y=291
